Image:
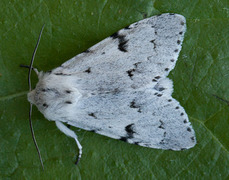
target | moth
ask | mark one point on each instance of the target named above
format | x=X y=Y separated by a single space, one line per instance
x=119 y=87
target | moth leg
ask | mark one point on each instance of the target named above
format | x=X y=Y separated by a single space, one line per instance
x=72 y=134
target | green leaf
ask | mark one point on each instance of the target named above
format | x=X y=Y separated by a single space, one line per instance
x=70 y=28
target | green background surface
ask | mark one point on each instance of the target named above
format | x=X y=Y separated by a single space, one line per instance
x=70 y=28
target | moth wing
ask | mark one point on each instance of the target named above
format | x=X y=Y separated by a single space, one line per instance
x=134 y=57
x=149 y=117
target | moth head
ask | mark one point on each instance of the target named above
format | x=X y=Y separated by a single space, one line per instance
x=53 y=94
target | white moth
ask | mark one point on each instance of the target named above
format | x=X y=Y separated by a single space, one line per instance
x=119 y=87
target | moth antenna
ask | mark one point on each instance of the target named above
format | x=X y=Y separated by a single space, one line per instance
x=30 y=88
x=33 y=135
x=33 y=56
x=26 y=66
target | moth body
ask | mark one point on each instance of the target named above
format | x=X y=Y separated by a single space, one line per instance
x=119 y=87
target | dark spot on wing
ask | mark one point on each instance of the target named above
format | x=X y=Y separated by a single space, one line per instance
x=136 y=143
x=134 y=105
x=193 y=138
x=136 y=23
x=92 y=115
x=127 y=27
x=177 y=107
x=45 y=105
x=122 y=41
x=166 y=69
x=189 y=129
x=182 y=114
x=176 y=50
x=182 y=23
x=88 y=70
x=161 y=89
x=178 y=41
x=93 y=130
x=130 y=73
x=157 y=87
x=159 y=95
x=136 y=64
x=122 y=138
x=152 y=41
x=147 y=145
x=115 y=91
x=68 y=91
x=154 y=44
x=68 y=102
x=114 y=36
x=58 y=73
x=53 y=90
x=161 y=125
x=123 y=45
x=162 y=141
x=101 y=91
x=61 y=74
x=129 y=130
x=103 y=52
x=169 y=100
x=181 y=33
x=172 y=60
x=185 y=121
x=86 y=51
x=117 y=36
